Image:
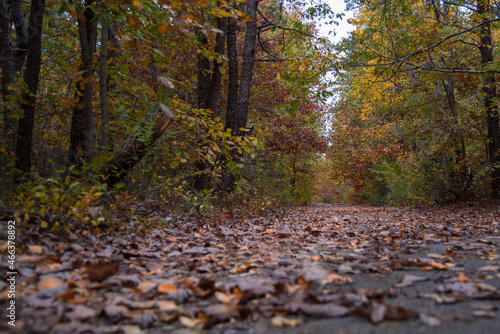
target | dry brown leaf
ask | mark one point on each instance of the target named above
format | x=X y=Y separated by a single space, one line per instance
x=147 y=286
x=99 y=272
x=438 y=265
x=35 y=249
x=490 y=268
x=167 y=306
x=80 y=312
x=191 y=323
x=49 y=282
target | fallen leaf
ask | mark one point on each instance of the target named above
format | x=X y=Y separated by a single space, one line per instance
x=191 y=323
x=80 y=312
x=167 y=288
x=147 y=286
x=438 y=265
x=462 y=278
x=430 y=320
x=221 y=312
x=324 y=310
x=280 y=321
x=408 y=280
x=482 y=306
x=167 y=306
x=35 y=249
x=484 y=314
x=489 y=268
x=50 y=282
x=99 y=272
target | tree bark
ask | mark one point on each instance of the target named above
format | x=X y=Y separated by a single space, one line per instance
x=490 y=95
x=247 y=68
x=87 y=29
x=21 y=49
x=203 y=65
x=232 y=88
x=216 y=80
x=133 y=150
x=103 y=87
x=83 y=133
x=6 y=73
x=31 y=78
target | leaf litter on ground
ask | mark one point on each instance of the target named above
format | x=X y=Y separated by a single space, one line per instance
x=280 y=270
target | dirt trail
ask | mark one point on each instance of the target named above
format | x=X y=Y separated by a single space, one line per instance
x=320 y=269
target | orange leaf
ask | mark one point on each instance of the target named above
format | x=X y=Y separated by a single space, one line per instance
x=462 y=278
x=49 y=282
x=163 y=28
x=438 y=265
x=166 y=288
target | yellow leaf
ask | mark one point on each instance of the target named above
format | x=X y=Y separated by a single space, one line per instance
x=136 y=3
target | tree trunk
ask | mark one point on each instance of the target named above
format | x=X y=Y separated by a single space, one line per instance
x=83 y=133
x=77 y=132
x=6 y=74
x=216 y=80
x=103 y=87
x=17 y=14
x=31 y=78
x=87 y=29
x=133 y=150
x=490 y=95
x=203 y=71
x=247 y=68
x=232 y=88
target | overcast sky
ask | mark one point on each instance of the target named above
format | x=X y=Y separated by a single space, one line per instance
x=341 y=30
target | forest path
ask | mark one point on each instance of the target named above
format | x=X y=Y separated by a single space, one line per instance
x=319 y=269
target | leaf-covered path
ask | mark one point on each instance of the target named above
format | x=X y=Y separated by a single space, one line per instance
x=320 y=269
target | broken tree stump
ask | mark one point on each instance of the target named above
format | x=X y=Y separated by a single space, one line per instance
x=133 y=149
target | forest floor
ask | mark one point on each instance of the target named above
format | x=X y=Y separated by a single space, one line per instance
x=318 y=269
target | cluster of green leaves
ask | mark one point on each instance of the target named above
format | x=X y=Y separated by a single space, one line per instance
x=59 y=203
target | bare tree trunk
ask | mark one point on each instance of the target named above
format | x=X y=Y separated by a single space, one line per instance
x=87 y=29
x=247 y=68
x=232 y=89
x=21 y=49
x=203 y=71
x=216 y=80
x=490 y=95
x=31 y=78
x=103 y=87
x=83 y=133
x=6 y=73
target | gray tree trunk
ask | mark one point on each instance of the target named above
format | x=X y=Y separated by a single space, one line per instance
x=247 y=68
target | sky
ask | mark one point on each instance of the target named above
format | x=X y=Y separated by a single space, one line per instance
x=343 y=28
